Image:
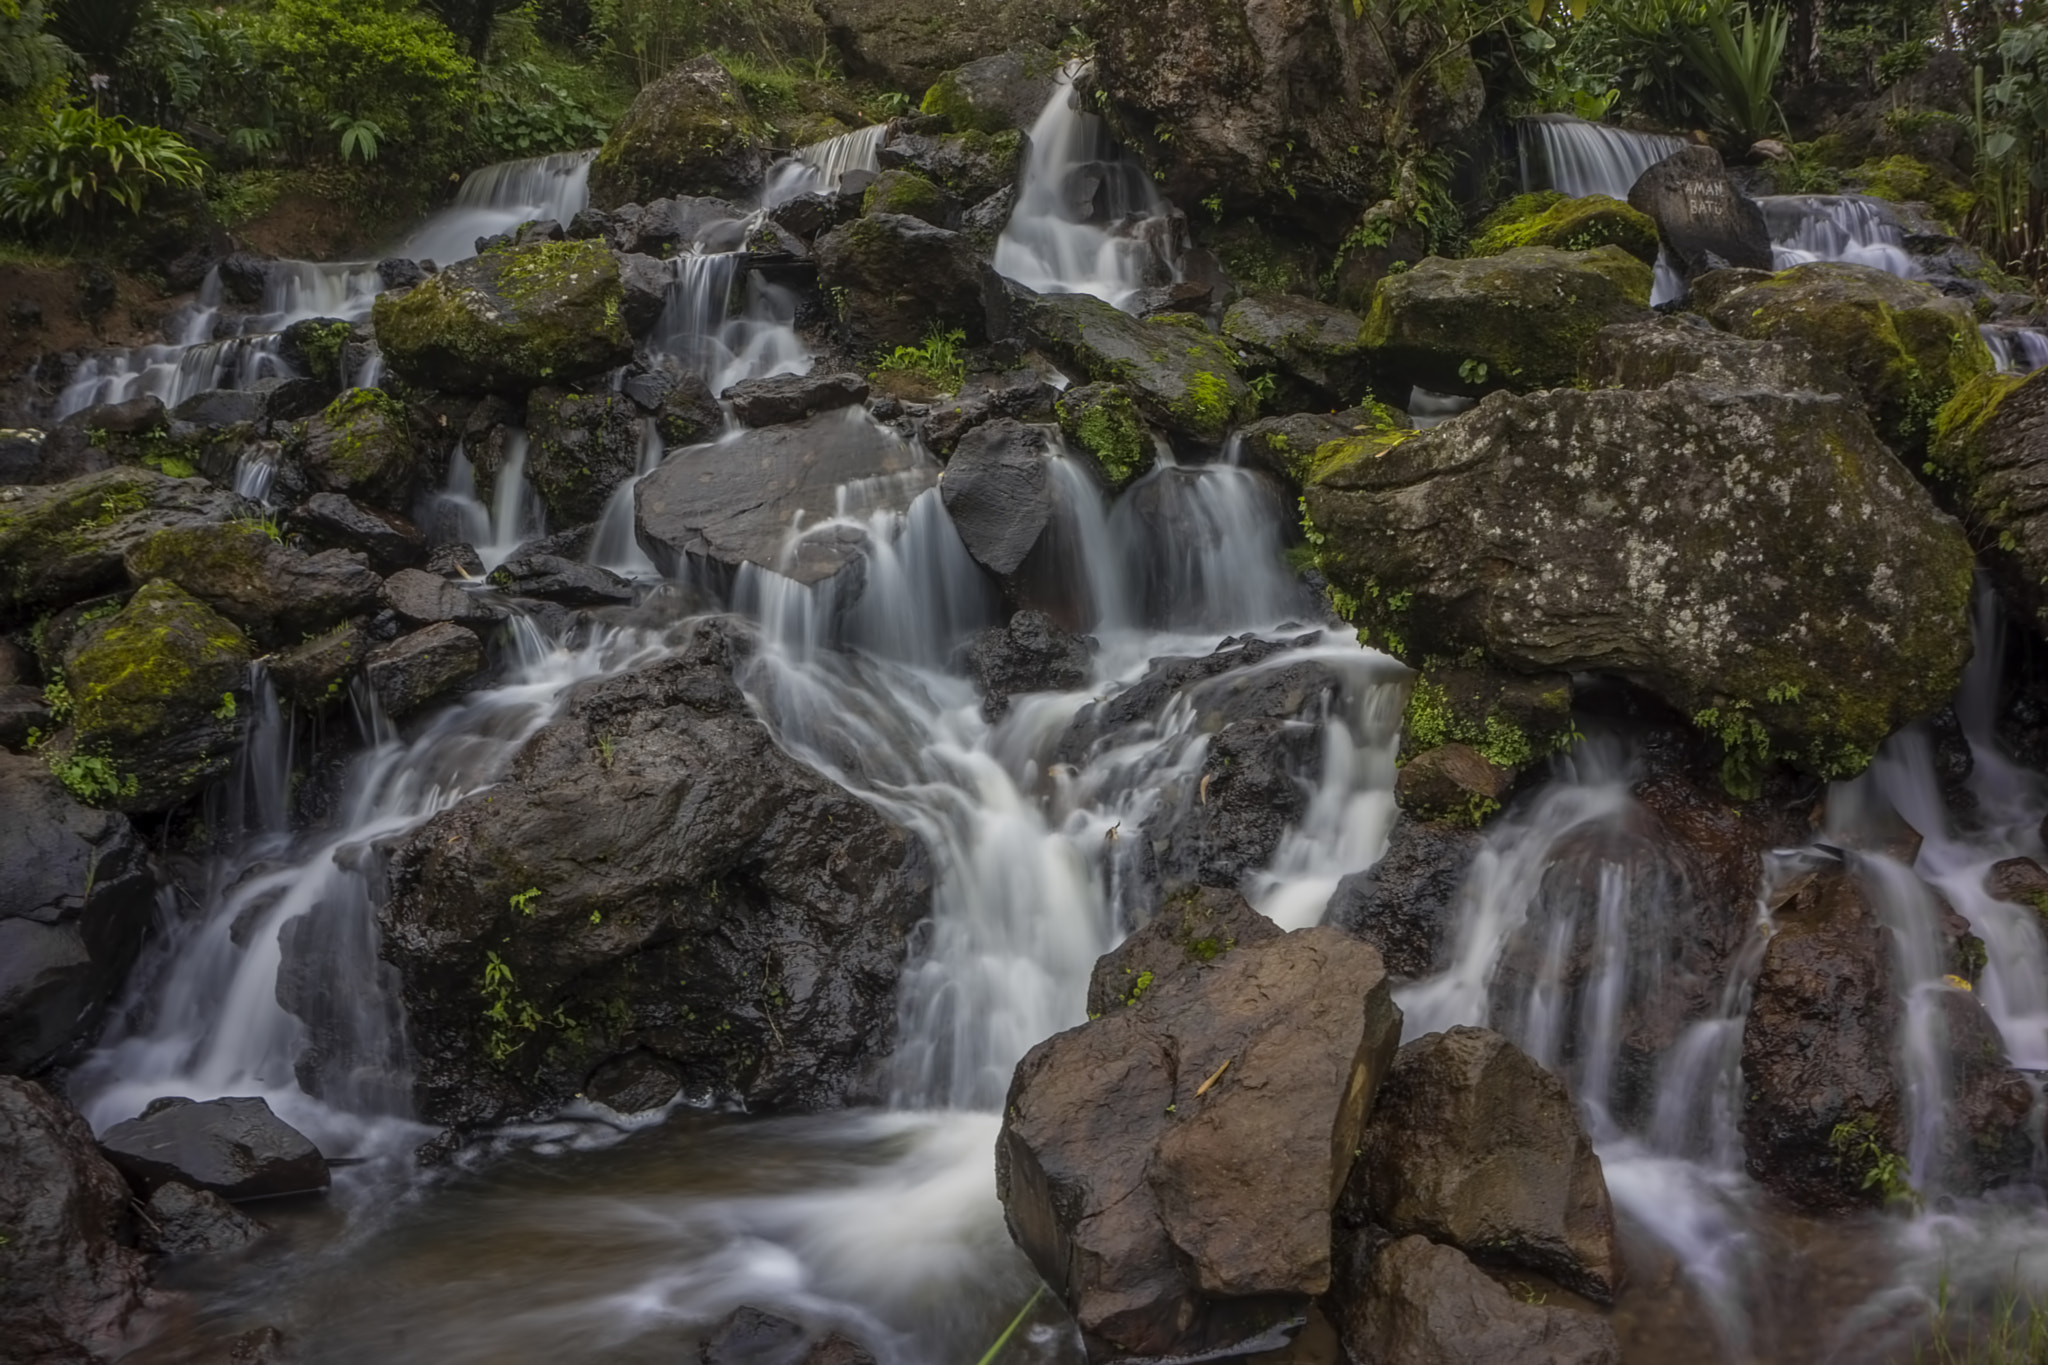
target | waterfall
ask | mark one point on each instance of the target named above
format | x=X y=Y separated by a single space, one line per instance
x=822 y=167
x=1578 y=158
x=1088 y=219
x=500 y=197
x=2016 y=349
x=1836 y=227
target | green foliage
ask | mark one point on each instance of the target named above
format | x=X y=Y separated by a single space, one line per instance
x=30 y=59
x=647 y=37
x=358 y=136
x=938 y=363
x=91 y=778
x=1856 y=1146
x=525 y=111
x=1745 y=747
x=82 y=165
x=2009 y=130
x=522 y=901
x=336 y=65
x=2011 y=1330
x=1731 y=72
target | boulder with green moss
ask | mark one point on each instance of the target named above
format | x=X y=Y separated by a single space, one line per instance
x=1312 y=350
x=1103 y=422
x=65 y=541
x=1183 y=378
x=361 y=445
x=690 y=132
x=1909 y=180
x=1990 y=450
x=277 y=594
x=509 y=319
x=154 y=693
x=1644 y=355
x=971 y=166
x=1301 y=445
x=580 y=447
x=909 y=44
x=1547 y=218
x=1759 y=560
x=1519 y=320
x=910 y=194
x=1906 y=347
x=998 y=94
x=896 y=280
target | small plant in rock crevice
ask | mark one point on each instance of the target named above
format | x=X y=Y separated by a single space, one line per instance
x=937 y=363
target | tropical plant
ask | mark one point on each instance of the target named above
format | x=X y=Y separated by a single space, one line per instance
x=83 y=163
x=937 y=363
x=2009 y=127
x=374 y=63
x=1731 y=72
x=29 y=57
x=358 y=136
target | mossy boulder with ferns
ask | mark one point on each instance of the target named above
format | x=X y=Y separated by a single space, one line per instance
x=1103 y=421
x=361 y=444
x=1182 y=377
x=277 y=594
x=1520 y=320
x=509 y=320
x=1547 y=218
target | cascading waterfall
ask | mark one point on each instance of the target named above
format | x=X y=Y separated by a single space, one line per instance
x=1578 y=158
x=500 y=197
x=1836 y=227
x=822 y=167
x=2016 y=349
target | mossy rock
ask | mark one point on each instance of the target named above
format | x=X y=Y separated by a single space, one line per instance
x=63 y=542
x=908 y=193
x=1990 y=455
x=509 y=320
x=998 y=94
x=1508 y=720
x=1908 y=180
x=581 y=447
x=155 y=691
x=1312 y=350
x=1182 y=377
x=1519 y=320
x=689 y=133
x=971 y=166
x=1905 y=346
x=361 y=444
x=1301 y=447
x=277 y=594
x=1548 y=218
x=895 y=280
x=1103 y=421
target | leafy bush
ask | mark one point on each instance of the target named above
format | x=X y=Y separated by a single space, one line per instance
x=1732 y=72
x=29 y=58
x=204 y=67
x=362 y=61
x=81 y=164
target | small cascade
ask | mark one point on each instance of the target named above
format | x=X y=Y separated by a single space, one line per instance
x=822 y=167
x=514 y=516
x=1836 y=227
x=1088 y=219
x=615 y=545
x=1428 y=408
x=498 y=198
x=2017 y=350
x=1576 y=158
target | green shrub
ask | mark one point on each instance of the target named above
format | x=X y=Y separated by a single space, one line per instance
x=364 y=62
x=82 y=165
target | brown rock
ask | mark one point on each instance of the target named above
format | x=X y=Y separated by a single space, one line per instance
x=1191 y=930
x=1450 y=782
x=1424 y=1304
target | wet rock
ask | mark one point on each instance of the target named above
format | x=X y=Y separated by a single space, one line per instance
x=1991 y=447
x=396 y=272
x=835 y=1349
x=637 y=1083
x=1315 y=346
x=456 y=561
x=550 y=578
x=1170 y=1167
x=1547 y=218
x=967 y=168
x=1237 y=681
x=984 y=222
x=684 y=411
x=748 y=1336
x=421 y=598
x=696 y=894
x=274 y=593
x=903 y=279
x=1191 y=929
x=996 y=94
x=362 y=445
x=1438 y=522
x=1102 y=421
x=235 y=1148
x=735 y=502
x=78 y=899
x=807 y=215
x=1473 y=1144
x=1417 y=1303
x=153 y=689
x=259 y=1346
x=71 y=1284
x=387 y=540
x=181 y=1221
x=2021 y=881
x=1403 y=904
x=1646 y=355
x=1451 y=782
x=643 y=290
x=1021 y=393
x=582 y=446
x=1519 y=320
x=1290 y=447
x=65 y=542
x=1183 y=378
x=1226 y=823
x=24 y=711
x=793 y=397
x=1030 y=654
x=1905 y=346
x=414 y=669
x=1704 y=221
x=315 y=673
x=909 y=194
x=998 y=490
x=509 y=320
x=689 y=133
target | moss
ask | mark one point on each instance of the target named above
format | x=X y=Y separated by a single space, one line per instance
x=1905 y=179
x=1952 y=446
x=907 y=193
x=1105 y=422
x=1550 y=219
x=1207 y=403
x=948 y=101
x=42 y=533
x=1508 y=724
x=216 y=554
x=364 y=426
x=1331 y=456
x=321 y=345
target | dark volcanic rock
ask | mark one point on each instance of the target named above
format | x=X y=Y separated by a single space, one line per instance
x=71 y=1285
x=1450 y=782
x=421 y=599
x=696 y=894
x=414 y=669
x=65 y=542
x=689 y=133
x=903 y=278
x=998 y=491
x=748 y=1336
x=1030 y=654
x=388 y=540
x=1191 y=929
x=1403 y=904
x=635 y=1084
x=182 y=1221
x=583 y=445
x=274 y=593
x=1170 y=1167
x=793 y=397
x=1705 y=222
x=314 y=672
x=234 y=1147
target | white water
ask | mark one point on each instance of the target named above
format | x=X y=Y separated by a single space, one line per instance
x=499 y=198
x=1088 y=219
x=1836 y=227
x=2017 y=350
x=1578 y=158
x=822 y=167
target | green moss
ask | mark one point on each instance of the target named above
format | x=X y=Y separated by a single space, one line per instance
x=163 y=649
x=1905 y=179
x=321 y=345
x=1952 y=447
x=1460 y=713
x=1548 y=218
x=907 y=193
x=948 y=101
x=1105 y=422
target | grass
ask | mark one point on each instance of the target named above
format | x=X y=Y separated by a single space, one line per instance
x=2013 y=1332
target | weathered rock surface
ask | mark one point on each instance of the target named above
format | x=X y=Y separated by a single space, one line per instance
x=183 y=1221
x=903 y=279
x=1650 y=354
x=71 y=1283
x=65 y=542
x=1292 y=447
x=550 y=578
x=274 y=593
x=582 y=446
x=1029 y=654
x=1182 y=377
x=1191 y=928
x=315 y=673
x=1102 y=421
x=908 y=44
x=636 y=1083
x=1403 y=904
x=1506 y=528
x=1518 y=320
x=509 y=320
x=734 y=502
x=1170 y=1168
x=387 y=540
x=1418 y=1303
x=1450 y=782
x=235 y=1148
x=905 y=192
x=694 y=894
x=1991 y=449
x=1310 y=343
x=361 y=445
x=1000 y=93
x=1547 y=218
x=689 y=133
x=74 y=907
x=793 y=397
x=414 y=669
x=1472 y=1144
x=422 y=599
x=1705 y=222
x=998 y=489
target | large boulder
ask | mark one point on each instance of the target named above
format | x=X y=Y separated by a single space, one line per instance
x=736 y=502
x=1655 y=351
x=1183 y=378
x=1311 y=344
x=689 y=133
x=1170 y=1168
x=1002 y=93
x=1547 y=218
x=415 y=669
x=1518 y=320
x=970 y=168
x=1192 y=927
x=998 y=490
x=1502 y=532
x=386 y=539
x=1414 y=1302
x=1280 y=106
x=1905 y=346
x=77 y=901
x=1403 y=904
x=1029 y=654
x=361 y=444
x=1704 y=221
x=72 y=1282
x=1103 y=422
x=793 y=397
x=153 y=691
x=1990 y=451
x=908 y=44
x=898 y=279
x=235 y=1148
x=1473 y=1144
x=1295 y=447
x=183 y=1221
x=509 y=319
x=276 y=594
x=64 y=542
x=581 y=446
